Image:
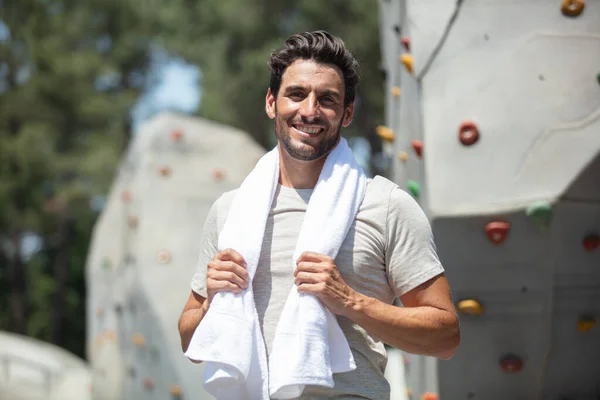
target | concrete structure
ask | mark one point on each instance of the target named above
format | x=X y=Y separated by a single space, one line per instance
x=34 y=370
x=514 y=199
x=144 y=252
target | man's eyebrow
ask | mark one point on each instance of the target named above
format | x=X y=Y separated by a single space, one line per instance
x=327 y=92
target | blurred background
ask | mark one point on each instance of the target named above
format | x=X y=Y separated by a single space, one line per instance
x=122 y=121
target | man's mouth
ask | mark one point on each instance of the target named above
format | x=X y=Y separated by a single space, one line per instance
x=309 y=130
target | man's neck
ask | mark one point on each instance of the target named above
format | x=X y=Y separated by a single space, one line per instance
x=299 y=174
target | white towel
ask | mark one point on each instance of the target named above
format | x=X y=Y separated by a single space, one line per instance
x=309 y=345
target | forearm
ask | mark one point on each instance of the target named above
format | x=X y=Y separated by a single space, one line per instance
x=188 y=322
x=419 y=330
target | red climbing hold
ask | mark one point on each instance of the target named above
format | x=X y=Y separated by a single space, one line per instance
x=125 y=196
x=132 y=221
x=176 y=135
x=429 y=396
x=511 y=363
x=405 y=42
x=591 y=242
x=148 y=383
x=218 y=174
x=468 y=133
x=418 y=146
x=164 y=171
x=497 y=231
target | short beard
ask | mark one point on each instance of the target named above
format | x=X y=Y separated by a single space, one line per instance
x=322 y=149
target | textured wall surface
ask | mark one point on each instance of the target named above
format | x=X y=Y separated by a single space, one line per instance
x=516 y=214
x=34 y=370
x=144 y=252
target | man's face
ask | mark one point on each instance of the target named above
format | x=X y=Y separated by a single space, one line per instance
x=309 y=109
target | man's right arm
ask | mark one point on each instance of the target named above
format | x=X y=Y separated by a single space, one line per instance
x=190 y=318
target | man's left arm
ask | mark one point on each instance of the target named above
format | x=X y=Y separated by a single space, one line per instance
x=427 y=324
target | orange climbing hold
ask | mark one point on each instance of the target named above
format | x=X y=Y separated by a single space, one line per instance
x=175 y=391
x=405 y=42
x=470 y=306
x=511 y=363
x=572 y=8
x=418 y=147
x=176 y=135
x=395 y=91
x=468 y=133
x=403 y=156
x=591 y=242
x=164 y=170
x=218 y=174
x=385 y=133
x=139 y=340
x=585 y=324
x=497 y=231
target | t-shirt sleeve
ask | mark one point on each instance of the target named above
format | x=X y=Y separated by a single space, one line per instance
x=208 y=249
x=411 y=256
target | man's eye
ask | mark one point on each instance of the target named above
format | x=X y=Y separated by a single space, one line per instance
x=327 y=100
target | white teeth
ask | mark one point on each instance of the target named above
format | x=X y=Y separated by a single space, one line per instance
x=310 y=131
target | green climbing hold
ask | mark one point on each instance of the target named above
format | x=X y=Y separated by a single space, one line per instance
x=540 y=213
x=106 y=264
x=154 y=352
x=414 y=188
x=598 y=77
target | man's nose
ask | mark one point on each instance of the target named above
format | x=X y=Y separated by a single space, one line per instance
x=309 y=108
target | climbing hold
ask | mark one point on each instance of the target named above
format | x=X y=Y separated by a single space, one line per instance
x=405 y=42
x=100 y=312
x=403 y=156
x=511 y=363
x=385 y=133
x=164 y=171
x=176 y=135
x=497 y=231
x=118 y=309
x=106 y=264
x=125 y=196
x=598 y=77
x=131 y=371
x=418 y=147
x=414 y=188
x=572 y=8
x=586 y=323
x=409 y=392
x=148 y=384
x=132 y=221
x=110 y=335
x=154 y=352
x=218 y=174
x=139 y=340
x=591 y=242
x=429 y=396
x=395 y=91
x=540 y=213
x=163 y=257
x=470 y=306
x=407 y=60
x=175 y=391
x=468 y=133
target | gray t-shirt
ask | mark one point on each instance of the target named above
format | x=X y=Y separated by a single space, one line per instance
x=388 y=251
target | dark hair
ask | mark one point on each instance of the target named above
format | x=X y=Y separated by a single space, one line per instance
x=321 y=47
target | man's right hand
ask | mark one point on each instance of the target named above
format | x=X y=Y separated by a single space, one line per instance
x=226 y=272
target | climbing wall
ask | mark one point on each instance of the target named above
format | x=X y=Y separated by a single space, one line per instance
x=493 y=125
x=144 y=251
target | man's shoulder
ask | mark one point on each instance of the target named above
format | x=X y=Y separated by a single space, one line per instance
x=387 y=196
x=223 y=202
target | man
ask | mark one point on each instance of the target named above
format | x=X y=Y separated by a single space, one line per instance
x=388 y=253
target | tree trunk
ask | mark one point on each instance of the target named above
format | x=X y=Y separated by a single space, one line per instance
x=18 y=285
x=61 y=274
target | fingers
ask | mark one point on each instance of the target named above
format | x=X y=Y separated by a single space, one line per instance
x=228 y=266
x=228 y=276
x=308 y=278
x=230 y=255
x=311 y=256
x=214 y=286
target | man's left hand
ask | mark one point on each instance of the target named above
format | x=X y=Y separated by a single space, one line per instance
x=317 y=274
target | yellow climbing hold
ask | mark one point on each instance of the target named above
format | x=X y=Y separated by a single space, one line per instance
x=139 y=340
x=403 y=156
x=175 y=391
x=585 y=324
x=385 y=133
x=407 y=60
x=396 y=91
x=470 y=306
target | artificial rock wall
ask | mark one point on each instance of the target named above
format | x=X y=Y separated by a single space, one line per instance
x=493 y=124
x=144 y=251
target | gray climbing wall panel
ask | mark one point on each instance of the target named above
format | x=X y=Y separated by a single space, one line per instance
x=144 y=252
x=493 y=124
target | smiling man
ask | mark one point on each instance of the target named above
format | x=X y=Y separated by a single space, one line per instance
x=388 y=253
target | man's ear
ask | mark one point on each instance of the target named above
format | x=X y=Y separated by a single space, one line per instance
x=348 y=115
x=270 y=104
